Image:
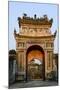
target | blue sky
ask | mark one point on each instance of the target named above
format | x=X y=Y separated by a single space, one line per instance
x=16 y=9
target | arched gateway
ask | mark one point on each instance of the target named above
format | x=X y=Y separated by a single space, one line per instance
x=34 y=48
x=35 y=64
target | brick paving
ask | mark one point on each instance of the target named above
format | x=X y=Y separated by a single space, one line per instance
x=37 y=83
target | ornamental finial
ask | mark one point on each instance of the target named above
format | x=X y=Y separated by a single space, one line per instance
x=14 y=31
x=55 y=33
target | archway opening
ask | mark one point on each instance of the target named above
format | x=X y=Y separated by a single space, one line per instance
x=35 y=63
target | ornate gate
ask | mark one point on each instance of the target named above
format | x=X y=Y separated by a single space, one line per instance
x=35 y=63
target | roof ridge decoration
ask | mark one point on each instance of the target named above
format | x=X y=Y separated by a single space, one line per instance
x=35 y=21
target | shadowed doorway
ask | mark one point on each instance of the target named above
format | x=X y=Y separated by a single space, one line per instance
x=35 y=63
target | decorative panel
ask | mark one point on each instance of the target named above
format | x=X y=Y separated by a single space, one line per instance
x=49 y=60
x=21 y=62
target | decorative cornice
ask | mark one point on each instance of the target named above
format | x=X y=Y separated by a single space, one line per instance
x=25 y=36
